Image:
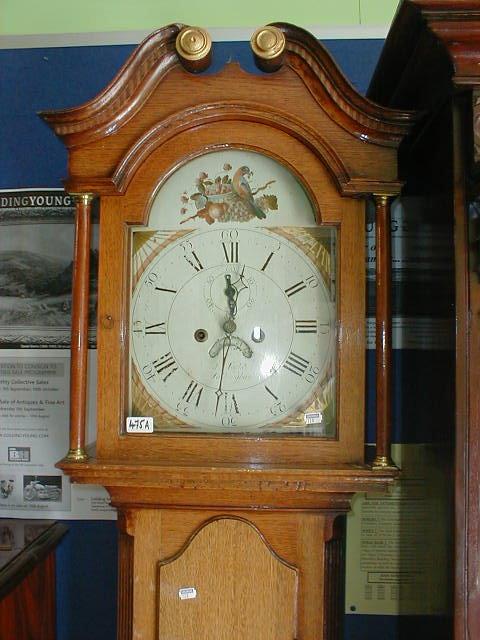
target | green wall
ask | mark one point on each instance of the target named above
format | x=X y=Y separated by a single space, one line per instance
x=19 y=17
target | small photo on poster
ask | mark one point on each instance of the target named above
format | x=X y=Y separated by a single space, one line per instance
x=19 y=454
x=7 y=486
x=7 y=538
x=42 y=488
x=36 y=264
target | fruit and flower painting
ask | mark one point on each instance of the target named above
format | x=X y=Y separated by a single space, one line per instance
x=229 y=196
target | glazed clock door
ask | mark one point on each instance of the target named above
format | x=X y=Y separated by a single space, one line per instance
x=233 y=311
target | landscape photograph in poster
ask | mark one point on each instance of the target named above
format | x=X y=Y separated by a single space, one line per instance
x=36 y=257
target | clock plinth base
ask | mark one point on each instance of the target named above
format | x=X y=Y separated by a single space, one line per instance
x=207 y=574
x=214 y=547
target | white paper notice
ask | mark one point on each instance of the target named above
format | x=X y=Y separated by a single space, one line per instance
x=399 y=545
x=34 y=416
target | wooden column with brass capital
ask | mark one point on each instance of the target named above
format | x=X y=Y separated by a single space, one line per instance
x=383 y=340
x=79 y=332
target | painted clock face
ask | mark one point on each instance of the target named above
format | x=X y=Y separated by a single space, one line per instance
x=232 y=330
x=232 y=310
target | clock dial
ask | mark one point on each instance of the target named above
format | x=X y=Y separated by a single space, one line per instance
x=233 y=330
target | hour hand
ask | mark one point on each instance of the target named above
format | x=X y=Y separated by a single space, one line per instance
x=231 y=293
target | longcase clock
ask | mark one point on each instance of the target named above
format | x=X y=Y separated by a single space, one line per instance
x=231 y=328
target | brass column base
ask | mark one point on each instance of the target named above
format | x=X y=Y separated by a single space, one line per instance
x=384 y=463
x=77 y=455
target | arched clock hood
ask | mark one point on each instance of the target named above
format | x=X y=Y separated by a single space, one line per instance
x=152 y=98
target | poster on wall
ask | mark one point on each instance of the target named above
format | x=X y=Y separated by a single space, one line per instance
x=422 y=276
x=399 y=545
x=36 y=245
x=34 y=414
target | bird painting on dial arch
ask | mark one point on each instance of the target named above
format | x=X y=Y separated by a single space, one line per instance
x=242 y=188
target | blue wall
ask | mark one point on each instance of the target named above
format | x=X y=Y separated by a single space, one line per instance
x=32 y=80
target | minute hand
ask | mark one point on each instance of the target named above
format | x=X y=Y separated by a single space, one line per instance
x=226 y=347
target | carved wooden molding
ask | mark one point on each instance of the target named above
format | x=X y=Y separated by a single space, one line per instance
x=214 y=519
x=419 y=26
x=457 y=26
x=151 y=61
x=227 y=111
x=365 y=119
x=259 y=480
x=124 y=96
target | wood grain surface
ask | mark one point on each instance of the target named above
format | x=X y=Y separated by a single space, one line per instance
x=27 y=589
x=264 y=560
x=383 y=327
x=118 y=212
x=79 y=329
x=242 y=589
x=28 y=612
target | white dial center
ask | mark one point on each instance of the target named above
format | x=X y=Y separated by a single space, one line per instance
x=249 y=362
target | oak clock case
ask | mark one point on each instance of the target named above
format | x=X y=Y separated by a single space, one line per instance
x=231 y=311
x=232 y=324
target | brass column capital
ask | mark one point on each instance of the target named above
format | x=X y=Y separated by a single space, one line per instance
x=83 y=198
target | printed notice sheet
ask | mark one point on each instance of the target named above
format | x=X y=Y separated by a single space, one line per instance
x=34 y=414
x=399 y=545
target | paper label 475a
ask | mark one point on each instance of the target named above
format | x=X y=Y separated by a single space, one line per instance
x=139 y=425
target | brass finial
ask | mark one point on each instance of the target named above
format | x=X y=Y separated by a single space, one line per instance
x=194 y=47
x=268 y=44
